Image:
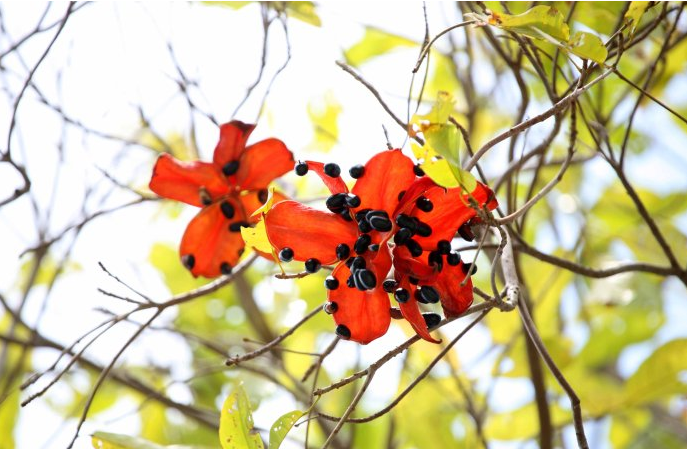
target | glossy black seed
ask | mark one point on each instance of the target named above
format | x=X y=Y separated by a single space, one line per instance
x=301 y=168
x=424 y=204
x=364 y=279
x=336 y=202
x=423 y=230
x=343 y=332
x=225 y=268
x=379 y=223
x=331 y=283
x=349 y=262
x=350 y=282
x=346 y=215
x=453 y=258
x=405 y=221
x=360 y=215
x=362 y=243
x=312 y=265
x=364 y=226
x=414 y=248
x=434 y=258
x=342 y=251
x=332 y=170
x=396 y=313
x=401 y=295
x=389 y=285
x=402 y=236
x=227 y=209
x=189 y=261
x=400 y=194
x=357 y=263
x=466 y=232
x=356 y=171
x=352 y=200
x=429 y=294
x=431 y=319
x=418 y=171
x=230 y=168
x=413 y=280
x=330 y=307
x=237 y=225
x=374 y=247
x=469 y=268
x=444 y=247
x=286 y=254
x=262 y=195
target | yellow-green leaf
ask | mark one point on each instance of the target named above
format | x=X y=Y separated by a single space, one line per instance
x=442 y=108
x=375 y=42
x=256 y=237
x=626 y=426
x=282 y=426
x=303 y=11
x=538 y=22
x=661 y=375
x=324 y=116
x=236 y=429
x=634 y=14
x=588 y=46
x=106 y=440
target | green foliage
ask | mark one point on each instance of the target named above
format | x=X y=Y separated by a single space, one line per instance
x=324 y=115
x=375 y=42
x=106 y=440
x=660 y=376
x=282 y=426
x=236 y=429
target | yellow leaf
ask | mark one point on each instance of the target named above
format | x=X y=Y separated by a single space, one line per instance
x=634 y=14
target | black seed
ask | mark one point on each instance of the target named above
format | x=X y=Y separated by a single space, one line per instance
x=424 y=204
x=405 y=221
x=346 y=215
x=418 y=171
x=227 y=209
x=453 y=258
x=466 y=232
x=330 y=307
x=356 y=171
x=286 y=254
x=444 y=247
x=402 y=236
x=431 y=319
x=331 y=283
x=362 y=243
x=336 y=202
x=332 y=170
x=414 y=248
x=374 y=247
x=350 y=282
x=396 y=313
x=360 y=215
x=343 y=332
x=349 y=262
x=400 y=194
x=469 y=268
x=424 y=230
x=376 y=213
x=225 y=268
x=434 y=258
x=365 y=279
x=364 y=226
x=379 y=223
x=312 y=265
x=301 y=168
x=357 y=263
x=352 y=200
x=262 y=195
x=389 y=285
x=342 y=251
x=413 y=280
x=230 y=168
x=189 y=261
x=237 y=225
x=401 y=295
x=429 y=294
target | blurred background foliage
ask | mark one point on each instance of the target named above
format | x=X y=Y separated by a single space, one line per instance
x=620 y=340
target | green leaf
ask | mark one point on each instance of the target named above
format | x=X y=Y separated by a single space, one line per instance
x=661 y=375
x=9 y=413
x=303 y=11
x=538 y=22
x=588 y=46
x=626 y=426
x=634 y=14
x=442 y=108
x=282 y=426
x=375 y=42
x=236 y=429
x=324 y=116
x=106 y=440
x=521 y=423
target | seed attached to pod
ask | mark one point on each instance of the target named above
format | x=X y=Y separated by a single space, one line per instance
x=424 y=204
x=225 y=268
x=332 y=170
x=342 y=251
x=414 y=248
x=286 y=254
x=343 y=332
x=312 y=265
x=330 y=307
x=401 y=295
x=431 y=319
x=356 y=171
x=301 y=168
x=362 y=243
x=429 y=294
x=227 y=209
x=230 y=168
x=389 y=285
x=444 y=247
x=453 y=258
x=331 y=283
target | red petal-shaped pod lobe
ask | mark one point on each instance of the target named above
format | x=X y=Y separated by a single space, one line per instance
x=263 y=162
x=189 y=182
x=310 y=233
x=455 y=299
x=365 y=314
x=386 y=175
x=417 y=267
x=335 y=185
x=411 y=312
x=252 y=200
x=209 y=248
x=232 y=142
